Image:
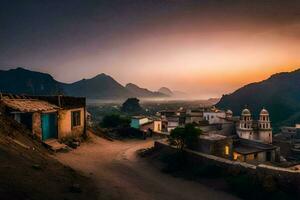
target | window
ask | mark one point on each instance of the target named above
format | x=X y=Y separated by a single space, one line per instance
x=75 y=118
x=236 y=156
x=227 y=150
x=158 y=127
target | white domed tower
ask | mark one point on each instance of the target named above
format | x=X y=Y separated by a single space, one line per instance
x=229 y=114
x=244 y=129
x=264 y=127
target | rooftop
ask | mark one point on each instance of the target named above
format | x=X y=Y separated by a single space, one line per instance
x=212 y=137
x=139 y=117
x=246 y=149
x=29 y=105
x=244 y=146
x=58 y=100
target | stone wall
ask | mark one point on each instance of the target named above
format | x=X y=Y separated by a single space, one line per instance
x=36 y=125
x=285 y=177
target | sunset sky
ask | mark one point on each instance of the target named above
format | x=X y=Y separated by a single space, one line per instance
x=203 y=47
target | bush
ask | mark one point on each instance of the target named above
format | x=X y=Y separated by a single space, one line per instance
x=185 y=136
x=131 y=105
x=114 y=121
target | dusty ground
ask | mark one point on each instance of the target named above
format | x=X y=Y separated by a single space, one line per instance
x=27 y=172
x=120 y=174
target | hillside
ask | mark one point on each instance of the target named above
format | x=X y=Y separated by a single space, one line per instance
x=279 y=94
x=142 y=92
x=19 y=80
x=28 y=172
x=100 y=86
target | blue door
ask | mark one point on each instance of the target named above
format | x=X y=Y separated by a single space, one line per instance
x=49 y=126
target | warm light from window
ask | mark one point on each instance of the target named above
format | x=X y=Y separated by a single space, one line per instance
x=227 y=150
x=235 y=156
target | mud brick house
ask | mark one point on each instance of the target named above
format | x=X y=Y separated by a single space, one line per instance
x=48 y=117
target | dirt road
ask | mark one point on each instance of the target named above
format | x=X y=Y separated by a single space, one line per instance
x=120 y=174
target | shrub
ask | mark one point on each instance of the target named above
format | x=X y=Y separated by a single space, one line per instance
x=114 y=121
x=184 y=136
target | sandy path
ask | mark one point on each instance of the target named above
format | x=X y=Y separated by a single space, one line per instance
x=120 y=174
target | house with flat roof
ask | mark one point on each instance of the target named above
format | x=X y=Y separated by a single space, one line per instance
x=254 y=151
x=146 y=124
x=239 y=149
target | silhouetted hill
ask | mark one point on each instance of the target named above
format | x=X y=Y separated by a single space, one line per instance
x=280 y=94
x=101 y=86
x=22 y=81
x=142 y=92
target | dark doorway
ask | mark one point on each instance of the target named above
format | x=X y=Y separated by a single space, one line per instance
x=26 y=119
x=269 y=156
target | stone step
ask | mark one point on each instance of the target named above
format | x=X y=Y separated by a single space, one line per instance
x=54 y=145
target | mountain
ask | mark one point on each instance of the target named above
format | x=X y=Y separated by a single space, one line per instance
x=279 y=94
x=100 y=86
x=165 y=91
x=22 y=81
x=142 y=92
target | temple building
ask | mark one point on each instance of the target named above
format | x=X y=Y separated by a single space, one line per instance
x=259 y=130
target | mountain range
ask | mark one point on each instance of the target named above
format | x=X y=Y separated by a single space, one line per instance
x=21 y=81
x=279 y=94
x=102 y=86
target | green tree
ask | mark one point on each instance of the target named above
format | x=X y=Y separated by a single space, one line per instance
x=131 y=105
x=114 y=121
x=185 y=136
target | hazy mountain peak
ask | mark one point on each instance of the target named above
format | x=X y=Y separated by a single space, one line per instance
x=165 y=91
x=142 y=92
x=131 y=85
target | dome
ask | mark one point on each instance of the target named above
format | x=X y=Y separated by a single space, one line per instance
x=264 y=112
x=246 y=112
x=229 y=112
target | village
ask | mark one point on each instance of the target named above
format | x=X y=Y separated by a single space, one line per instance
x=62 y=124
x=149 y=100
x=234 y=137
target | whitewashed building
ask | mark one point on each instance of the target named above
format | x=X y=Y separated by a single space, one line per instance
x=255 y=130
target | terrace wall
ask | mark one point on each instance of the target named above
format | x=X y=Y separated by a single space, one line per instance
x=285 y=177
